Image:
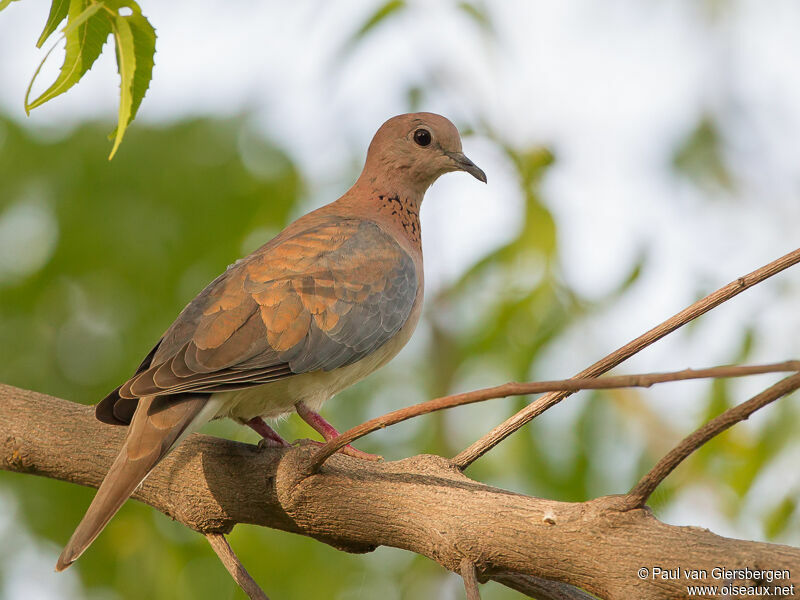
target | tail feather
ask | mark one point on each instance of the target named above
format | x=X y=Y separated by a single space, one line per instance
x=157 y=426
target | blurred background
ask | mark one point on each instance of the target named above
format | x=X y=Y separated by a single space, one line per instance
x=639 y=156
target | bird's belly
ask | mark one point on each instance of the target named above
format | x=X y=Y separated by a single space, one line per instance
x=276 y=399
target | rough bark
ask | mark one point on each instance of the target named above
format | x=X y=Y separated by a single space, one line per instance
x=422 y=504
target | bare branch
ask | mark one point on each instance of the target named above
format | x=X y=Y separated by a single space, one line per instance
x=537 y=387
x=240 y=575
x=480 y=447
x=470 y=577
x=641 y=492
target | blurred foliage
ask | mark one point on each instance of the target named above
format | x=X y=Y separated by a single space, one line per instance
x=383 y=12
x=700 y=158
x=478 y=12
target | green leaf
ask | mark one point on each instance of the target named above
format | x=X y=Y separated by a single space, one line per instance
x=126 y=64
x=58 y=12
x=144 y=46
x=86 y=31
x=82 y=17
x=4 y=3
x=136 y=47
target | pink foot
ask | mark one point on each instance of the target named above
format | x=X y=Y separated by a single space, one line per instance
x=328 y=431
x=269 y=436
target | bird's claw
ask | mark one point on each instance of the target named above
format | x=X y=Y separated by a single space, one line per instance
x=265 y=443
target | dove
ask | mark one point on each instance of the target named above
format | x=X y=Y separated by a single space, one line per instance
x=326 y=302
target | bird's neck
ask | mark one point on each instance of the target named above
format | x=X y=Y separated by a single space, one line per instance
x=394 y=206
x=402 y=212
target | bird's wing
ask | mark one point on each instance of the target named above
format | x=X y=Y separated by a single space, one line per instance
x=318 y=300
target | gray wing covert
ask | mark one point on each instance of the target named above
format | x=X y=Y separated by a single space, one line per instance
x=358 y=298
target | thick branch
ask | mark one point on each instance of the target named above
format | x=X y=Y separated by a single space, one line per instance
x=422 y=504
x=481 y=446
x=537 y=387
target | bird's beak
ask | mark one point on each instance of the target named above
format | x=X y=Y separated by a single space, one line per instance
x=465 y=164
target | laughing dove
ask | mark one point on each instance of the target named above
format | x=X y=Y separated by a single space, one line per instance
x=330 y=299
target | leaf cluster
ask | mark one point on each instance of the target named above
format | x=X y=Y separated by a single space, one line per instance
x=88 y=24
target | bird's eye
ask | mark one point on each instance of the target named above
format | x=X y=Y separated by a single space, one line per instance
x=422 y=137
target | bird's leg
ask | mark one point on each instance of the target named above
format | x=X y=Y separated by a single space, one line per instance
x=269 y=436
x=328 y=431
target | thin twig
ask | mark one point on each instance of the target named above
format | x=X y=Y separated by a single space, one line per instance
x=538 y=387
x=235 y=568
x=642 y=490
x=481 y=446
x=470 y=577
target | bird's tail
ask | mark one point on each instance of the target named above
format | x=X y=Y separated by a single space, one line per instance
x=157 y=426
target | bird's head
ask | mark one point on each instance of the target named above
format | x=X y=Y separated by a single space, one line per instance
x=415 y=149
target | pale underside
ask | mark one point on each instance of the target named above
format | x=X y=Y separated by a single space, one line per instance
x=278 y=398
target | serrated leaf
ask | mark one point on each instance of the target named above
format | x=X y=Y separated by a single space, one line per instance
x=142 y=44
x=144 y=39
x=81 y=17
x=86 y=31
x=126 y=64
x=58 y=12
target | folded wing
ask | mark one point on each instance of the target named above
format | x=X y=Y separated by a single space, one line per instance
x=318 y=300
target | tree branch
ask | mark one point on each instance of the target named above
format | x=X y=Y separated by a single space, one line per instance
x=480 y=447
x=642 y=490
x=422 y=504
x=231 y=562
x=537 y=387
x=470 y=577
